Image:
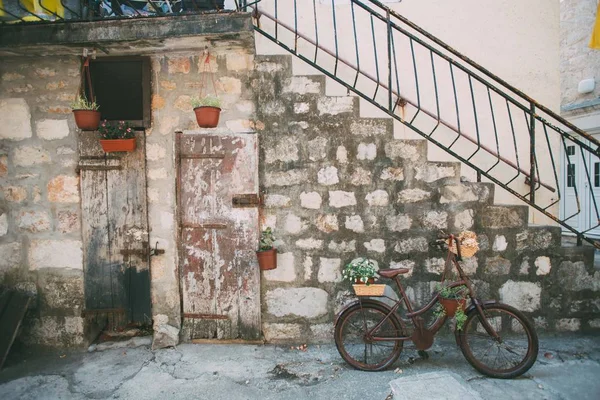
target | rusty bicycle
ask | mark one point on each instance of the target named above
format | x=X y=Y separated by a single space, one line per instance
x=496 y=339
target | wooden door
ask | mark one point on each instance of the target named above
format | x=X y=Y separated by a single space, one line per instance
x=114 y=218
x=218 y=225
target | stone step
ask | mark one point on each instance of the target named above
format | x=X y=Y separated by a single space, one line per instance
x=468 y=192
x=274 y=64
x=500 y=216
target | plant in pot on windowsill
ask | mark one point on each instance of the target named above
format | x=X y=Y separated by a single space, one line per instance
x=361 y=272
x=266 y=254
x=452 y=303
x=208 y=110
x=87 y=116
x=116 y=137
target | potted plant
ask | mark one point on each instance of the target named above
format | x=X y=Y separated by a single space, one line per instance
x=116 y=137
x=452 y=303
x=208 y=110
x=87 y=116
x=266 y=254
x=361 y=272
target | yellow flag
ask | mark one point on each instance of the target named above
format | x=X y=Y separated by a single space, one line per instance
x=595 y=42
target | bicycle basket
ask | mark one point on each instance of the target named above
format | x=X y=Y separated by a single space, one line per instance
x=468 y=244
x=373 y=290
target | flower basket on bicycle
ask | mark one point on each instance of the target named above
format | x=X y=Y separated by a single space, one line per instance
x=374 y=290
x=361 y=271
x=451 y=306
x=468 y=244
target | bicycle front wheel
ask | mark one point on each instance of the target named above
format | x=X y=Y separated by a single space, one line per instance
x=352 y=341
x=509 y=356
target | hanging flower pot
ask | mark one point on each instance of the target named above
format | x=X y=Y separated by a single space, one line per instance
x=87 y=116
x=267 y=259
x=207 y=116
x=451 y=306
x=116 y=137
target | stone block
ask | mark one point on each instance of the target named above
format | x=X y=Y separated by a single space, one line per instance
x=308 y=268
x=286 y=178
x=28 y=155
x=469 y=265
x=341 y=154
x=542 y=265
x=343 y=246
x=33 y=221
x=568 y=324
x=179 y=65
x=285 y=150
x=410 y=264
x=398 y=223
x=311 y=200
x=277 y=201
x=524 y=296
x=184 y=103
x=354 y=223
x=366 y=151
x=15 y=119
x=3 y=224
x=574 y=276
x=309 y=244
x=61 y=291
x=293 y=224
x=435 y=265
x=322 y=332
x=464 y=220
x=14 y=193
x=52 y=129
x=395 y=174
x=44 y=72
x=329 y=270
x=413 y=244
x=327 y=223
x=302 y=85
x=11 y=256
x=68 y=221
x=273 y=108
x=436 y=220
x=301 y=108
x=402 y=149
x=524 y=267
x=166 y=85
x=281 y=331
x=305 y=302
x=335 y=105
x=465 y=193
x=497 y=266
x=377 y=198
x=155 y=152
x=239 y=61
x=56 y=331
x=55 y=254
x=594 y=323
x=365 y=127
x=12 y=76
x=55 y=85
x=434 y=172
x=360 y=177
x=317 y=149
x=339 y=198
x=376 y=245
x=500 y=243
x=165 y=336
x=413 y=196
x=496 y=217
x=285 y=271
x=328 y=176
x=63 y=189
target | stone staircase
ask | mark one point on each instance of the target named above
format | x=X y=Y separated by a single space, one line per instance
x=338 y=186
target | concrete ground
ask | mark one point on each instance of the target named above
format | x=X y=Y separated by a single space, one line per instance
x=568 y=367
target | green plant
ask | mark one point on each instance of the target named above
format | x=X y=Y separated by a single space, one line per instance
x=206 y=101
x=360 y=269
x=458 y=293
x=81 y=103
x=266 y=240
x=120 y=130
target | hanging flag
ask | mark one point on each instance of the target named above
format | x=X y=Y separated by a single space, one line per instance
x=595 y=42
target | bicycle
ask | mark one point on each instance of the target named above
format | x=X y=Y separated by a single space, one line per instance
x=496 y=339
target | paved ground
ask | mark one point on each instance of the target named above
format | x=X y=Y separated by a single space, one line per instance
x=568 y=367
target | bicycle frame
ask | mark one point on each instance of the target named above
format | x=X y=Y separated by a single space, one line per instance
x=413 y=315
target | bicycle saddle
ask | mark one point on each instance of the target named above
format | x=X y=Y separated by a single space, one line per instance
x=392 y=272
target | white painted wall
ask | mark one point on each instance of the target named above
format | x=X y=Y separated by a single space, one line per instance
x=517 y=40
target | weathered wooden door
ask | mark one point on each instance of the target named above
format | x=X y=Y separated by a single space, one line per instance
x=115 y=232
x=220 y=281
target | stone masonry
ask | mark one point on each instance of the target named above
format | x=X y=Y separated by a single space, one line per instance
x=337 y=186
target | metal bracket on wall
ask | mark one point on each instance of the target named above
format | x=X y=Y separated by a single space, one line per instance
x=246 y=200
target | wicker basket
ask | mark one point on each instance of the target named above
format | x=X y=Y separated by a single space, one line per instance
x=375 y=290
x=468 y=244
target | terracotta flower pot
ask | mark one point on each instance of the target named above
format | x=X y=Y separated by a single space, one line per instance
x=207 y=117
x=267 y=259
x=115 y=145
x=452 y=305
x=369 y=281
x=87 y=120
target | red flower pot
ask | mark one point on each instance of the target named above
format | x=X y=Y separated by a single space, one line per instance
x=116 y=145
x=267 y=259
x=207 y=117
x=452 y=305
x=87 y=120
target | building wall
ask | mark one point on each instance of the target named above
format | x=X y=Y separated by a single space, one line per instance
x=40 y=232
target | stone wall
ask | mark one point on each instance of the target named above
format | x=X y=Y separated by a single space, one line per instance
x=40 y=239
x=577 y=60
x=338 y=186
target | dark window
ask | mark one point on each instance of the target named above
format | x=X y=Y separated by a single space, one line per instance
x=571 y=175
x=596 y=174
x=122 y=89
x=570 y=150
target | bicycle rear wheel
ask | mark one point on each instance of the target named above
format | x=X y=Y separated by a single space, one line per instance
x=510 y=356
x=360 y=352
